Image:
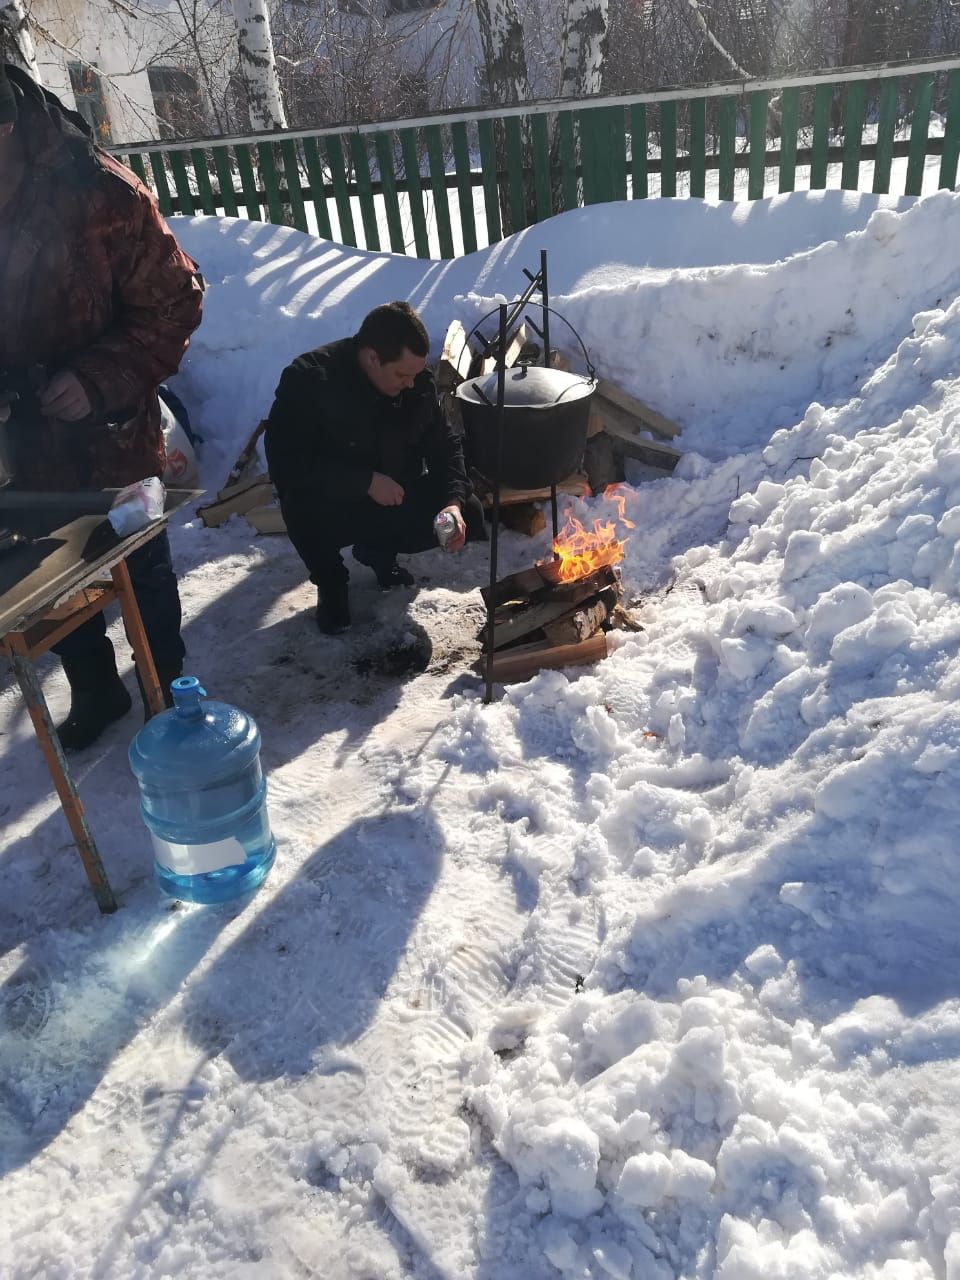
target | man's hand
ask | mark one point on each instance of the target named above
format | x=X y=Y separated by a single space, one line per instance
x=65 y=398
x=385 y=491
x=459 y=535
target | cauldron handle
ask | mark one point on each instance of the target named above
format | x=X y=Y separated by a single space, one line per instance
x=591 y=371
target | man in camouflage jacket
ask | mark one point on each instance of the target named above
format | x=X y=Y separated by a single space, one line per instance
x=98 y=303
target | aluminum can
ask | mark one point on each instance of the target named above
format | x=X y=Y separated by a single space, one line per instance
x=444 y=526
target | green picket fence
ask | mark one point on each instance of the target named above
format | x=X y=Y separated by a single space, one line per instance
x=451 y=183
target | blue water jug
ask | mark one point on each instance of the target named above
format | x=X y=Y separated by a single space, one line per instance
x=203 y=797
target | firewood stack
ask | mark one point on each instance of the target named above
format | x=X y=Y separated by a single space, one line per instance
x=540 y=622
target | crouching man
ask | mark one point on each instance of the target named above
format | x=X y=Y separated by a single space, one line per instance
x=361 y=455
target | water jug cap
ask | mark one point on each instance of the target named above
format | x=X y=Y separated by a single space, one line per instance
x=187 y=692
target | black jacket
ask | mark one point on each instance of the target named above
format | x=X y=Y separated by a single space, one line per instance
x=330 y=429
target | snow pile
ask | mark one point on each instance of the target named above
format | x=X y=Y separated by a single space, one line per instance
x=646 y=971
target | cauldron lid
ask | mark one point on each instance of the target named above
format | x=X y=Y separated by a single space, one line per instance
x=528 y=386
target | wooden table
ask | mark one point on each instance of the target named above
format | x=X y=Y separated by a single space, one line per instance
x=72 y=568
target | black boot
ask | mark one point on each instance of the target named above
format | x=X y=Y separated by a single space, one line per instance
x=166 y=674
x=333 y=609
x=97 y=697
x=384 y=565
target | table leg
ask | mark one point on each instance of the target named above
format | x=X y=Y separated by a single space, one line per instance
x=137 y=637
x=60 y=772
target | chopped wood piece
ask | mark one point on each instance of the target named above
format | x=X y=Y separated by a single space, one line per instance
x=267 y=519
x=247 y=454
x=454 y=364
x=523 y=517
x=577 y=484
x=236 y=499
x=516 y=586
x=624 y=431
x=637 y=409
x=520 y=664
x=579 y=625
x=607 y=575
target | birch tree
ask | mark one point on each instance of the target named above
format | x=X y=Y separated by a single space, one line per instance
x=504 y=55
x=584 y=47
x=15 y=26
x=258 y=66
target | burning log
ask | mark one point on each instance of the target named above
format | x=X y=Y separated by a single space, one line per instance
x=579 y=625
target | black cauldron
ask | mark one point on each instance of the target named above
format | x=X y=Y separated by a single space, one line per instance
x=544 y=424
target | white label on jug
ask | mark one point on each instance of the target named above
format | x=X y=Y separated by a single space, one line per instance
x=197 y=859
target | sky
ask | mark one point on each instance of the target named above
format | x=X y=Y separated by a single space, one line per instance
x=646 y=970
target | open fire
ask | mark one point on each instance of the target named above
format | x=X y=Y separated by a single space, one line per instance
x=579 y=552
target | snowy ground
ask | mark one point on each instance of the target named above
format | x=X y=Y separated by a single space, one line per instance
x=645 y=971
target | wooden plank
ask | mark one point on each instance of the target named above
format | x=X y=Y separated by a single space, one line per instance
x=161 y=186
x=341 y=192
x=368 y=210
x=388 y=185
x=266 y=519
x=578 y=485
x=629 y=443
x=759 y=103
x=271 y=184
x=248 y=182
x=668 y=149
x=437 y=166
x=135 y=162
x=514 y=139
x=488 y=173
x=246 y=454
x=529 y=618
x=228 y=197
x=630 y=404
x=521 y=665
x=789 y=119
x=919 y=130
x=951 y=133
x=639 y=185
x=698 y=147
x=541 y=168
x=453 y=366
x=204 y=190
x=822 y=106
x=617 y=133
x=727 y=127
x=178 y=167
x=887 y=112
x=853 y=135
x=568 y=159
x=318 y=189
x=236 y=500
x=515 y=586
x=461 y=165
x=411 y=173
x=291 y=171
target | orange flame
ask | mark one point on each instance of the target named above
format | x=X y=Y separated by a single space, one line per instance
x=579 y=551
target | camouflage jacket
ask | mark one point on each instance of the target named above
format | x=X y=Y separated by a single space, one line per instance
x=91 y=280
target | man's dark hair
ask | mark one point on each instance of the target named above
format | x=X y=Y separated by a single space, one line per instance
x=391 y=328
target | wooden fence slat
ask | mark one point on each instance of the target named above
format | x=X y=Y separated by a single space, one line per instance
x=198 y=159
x=759 y=102
x=698 y=147
x=248 y=182
x=181 y=181
x=727 y=127
x=919 y=131
x=567 y=144
x=341 y=191
x=514 y=140
x=135 y=162
x=368 y=208
x=587 y=133
x=488 y=172
x=461 y=167
x=271 y=183
x=437 y=165
x=639 y=185
x=789 y=120
x=411 y=173
x=228 y=197
x=159 y=170
x=291 y=172
x=822 y=106
x=887 y=112
x=617 y=133
x=951 y=133
x=668 y=149
x=853 y=115
x=318 y=188
x=541 y=168
x=388 y=184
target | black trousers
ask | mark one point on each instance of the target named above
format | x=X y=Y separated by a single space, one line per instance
x=155 y=587
x=319 y=531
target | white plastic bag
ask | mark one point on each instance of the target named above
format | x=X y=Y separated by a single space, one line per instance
x=136 y=506
x=181 y=468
